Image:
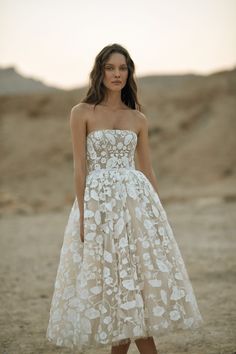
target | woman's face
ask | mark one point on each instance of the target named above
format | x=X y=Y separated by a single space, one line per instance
x=115 y=69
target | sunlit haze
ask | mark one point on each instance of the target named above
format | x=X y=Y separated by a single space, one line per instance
x=57 y=41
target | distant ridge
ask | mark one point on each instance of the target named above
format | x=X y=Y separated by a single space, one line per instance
x=12 y=83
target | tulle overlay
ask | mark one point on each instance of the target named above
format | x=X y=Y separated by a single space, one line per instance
x=128 y=279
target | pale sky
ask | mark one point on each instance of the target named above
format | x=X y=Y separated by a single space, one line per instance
x=56 y=41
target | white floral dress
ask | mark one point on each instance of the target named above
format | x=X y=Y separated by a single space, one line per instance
x=128 y=279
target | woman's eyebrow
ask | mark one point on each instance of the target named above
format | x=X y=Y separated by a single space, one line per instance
x=113 y=64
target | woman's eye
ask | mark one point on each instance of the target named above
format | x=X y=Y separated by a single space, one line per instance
x=110 y=68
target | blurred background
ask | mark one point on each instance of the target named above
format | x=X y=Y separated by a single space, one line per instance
x=185 y=57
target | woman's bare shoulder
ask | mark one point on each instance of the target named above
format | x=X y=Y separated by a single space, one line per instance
x=80 y=111
x=82 y=107
x=141 y=119
x=139 y=114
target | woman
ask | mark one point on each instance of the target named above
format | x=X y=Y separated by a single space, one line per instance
x=121 y=276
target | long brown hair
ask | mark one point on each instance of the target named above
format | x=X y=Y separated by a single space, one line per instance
x=97 y=90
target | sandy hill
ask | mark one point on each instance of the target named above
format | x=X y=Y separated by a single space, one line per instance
x=12 y=83
x=192 y=139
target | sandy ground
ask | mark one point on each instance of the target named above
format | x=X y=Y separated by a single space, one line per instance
x=30 y=245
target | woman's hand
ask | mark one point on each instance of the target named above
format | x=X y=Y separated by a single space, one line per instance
x=82 y=231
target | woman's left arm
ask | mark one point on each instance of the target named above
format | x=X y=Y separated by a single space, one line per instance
x=143 y=152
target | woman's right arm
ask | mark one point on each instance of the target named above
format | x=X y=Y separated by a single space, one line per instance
x=78 y=135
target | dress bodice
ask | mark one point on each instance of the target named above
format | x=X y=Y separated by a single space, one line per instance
x=111 y=149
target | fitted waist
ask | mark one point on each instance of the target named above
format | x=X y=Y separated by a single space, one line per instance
x=111 y=163
x=112 y=169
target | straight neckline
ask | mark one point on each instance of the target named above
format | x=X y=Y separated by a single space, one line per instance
x=119 y=130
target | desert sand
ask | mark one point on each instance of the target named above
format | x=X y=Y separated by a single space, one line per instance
x=30 y=245
x=192 y=140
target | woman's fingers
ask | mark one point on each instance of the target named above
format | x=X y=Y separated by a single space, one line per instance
x=82 y=232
